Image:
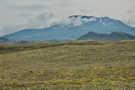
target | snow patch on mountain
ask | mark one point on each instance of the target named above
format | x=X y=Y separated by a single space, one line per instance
x=77 y=20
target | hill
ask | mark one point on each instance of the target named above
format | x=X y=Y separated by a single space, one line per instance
x=6 y=41
x=3 y=40
x=107 y=37
x=78 y=26
x=76 y=63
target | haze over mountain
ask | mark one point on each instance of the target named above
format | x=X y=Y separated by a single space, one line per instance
x=77 y=27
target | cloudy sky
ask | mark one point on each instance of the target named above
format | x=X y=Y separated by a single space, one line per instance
x=18 y=14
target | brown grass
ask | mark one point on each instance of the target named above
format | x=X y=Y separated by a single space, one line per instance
x=87 y=63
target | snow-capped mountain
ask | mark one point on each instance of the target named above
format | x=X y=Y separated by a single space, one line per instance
x=78 y=26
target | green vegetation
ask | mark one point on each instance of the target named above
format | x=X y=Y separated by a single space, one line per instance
x=76 y=63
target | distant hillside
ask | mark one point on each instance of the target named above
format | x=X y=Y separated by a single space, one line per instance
x=6 y=41
x=107 y=37
x=3 y=39
x=78 y=26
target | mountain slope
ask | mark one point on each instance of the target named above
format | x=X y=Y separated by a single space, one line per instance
x=79 y=26
x=107 y=37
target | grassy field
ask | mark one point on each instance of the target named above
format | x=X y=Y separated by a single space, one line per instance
x=76 y=63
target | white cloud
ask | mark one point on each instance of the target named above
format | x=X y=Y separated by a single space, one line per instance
x=39 y=13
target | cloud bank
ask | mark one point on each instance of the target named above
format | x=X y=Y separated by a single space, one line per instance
x=18 y=14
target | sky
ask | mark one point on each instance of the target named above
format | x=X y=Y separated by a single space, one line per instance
x=18 y=14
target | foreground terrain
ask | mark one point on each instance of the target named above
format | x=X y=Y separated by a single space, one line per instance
x=78 y=63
